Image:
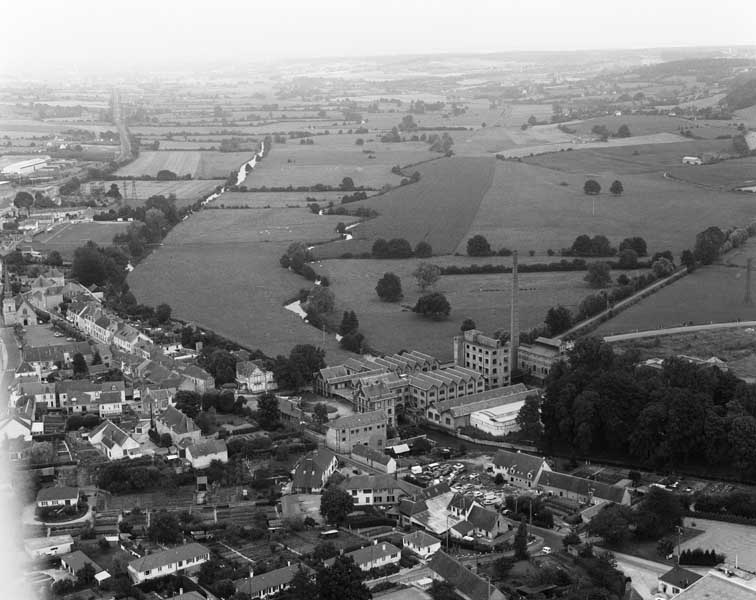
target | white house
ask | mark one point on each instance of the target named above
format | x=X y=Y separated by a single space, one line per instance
x=168 y=562
x=109 y=404
x=376 y=489
x=252 y=376
x=268 y=584
x=375 y=556
x=58 y=496
x=518 y=468
x=421 y=543
x=114 y=442
x=200 y=455
x=15 y=427
x=55 y=545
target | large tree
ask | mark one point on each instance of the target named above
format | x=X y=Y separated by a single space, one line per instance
x=612 y=524
x=598 y=275
x=426 y=274
x=423 y=250
x=478 y=245
x=521 y=541
x=164 y=528
x=335 y=504
x=268 y=414
x=342 y=580
x=434 y=305
x=23 y=200
x=592 y=187
x=616 y=188
x=389 y=288
x=529 y=418
x=634 y=243
x=320 y=299
x=708 y=244
x=558 y=320
x=80 y=368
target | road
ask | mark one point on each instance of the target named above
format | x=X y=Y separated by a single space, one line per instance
x=119 y=121
x=10 y=358
x=673 y=330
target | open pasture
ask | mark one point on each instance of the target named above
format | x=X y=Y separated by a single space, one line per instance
x=136 y=192
x=613 y=143
x=220 y=269
x=66 y=237
x=151 y=162
x=276 y=199
x=726 y=175
x=527 y=208
x=438 y=209
x=638 y=124
x=612 y=157
x=391 y=327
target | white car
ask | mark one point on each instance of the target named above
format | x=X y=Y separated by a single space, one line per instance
x=546 y=550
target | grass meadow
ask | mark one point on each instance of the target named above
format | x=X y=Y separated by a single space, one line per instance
x=198 y=164
x=66 y=237
x=724 y=175
x=186 y=192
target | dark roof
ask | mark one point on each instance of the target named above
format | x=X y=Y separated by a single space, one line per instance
x=254 y=585
x=482 y=518
x=463 y=527
x=371 y=454
x=410 y=507
x=207 y=448
x=110 y=431
x=77 y=559
x=519 y=463
x=496 y=393
x=177 y=421
x=373 y=552
x=57 y=493
x=166 y=557
x=679 y=577
x=309 y=472
x=584 y=487
x=461 y=502
x=467 y=582
x=420 y=539
x=433 y=491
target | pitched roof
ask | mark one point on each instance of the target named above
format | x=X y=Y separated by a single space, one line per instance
x=57 y=493
x=358 y=420
x=519 y=463
x=196 y=372
x=373 y=552
x=271 y=579
x=375 y=482
x=469 y=404
x=420 y=539
x=371 y=454
x=679 y=577
x=467 y=582
x=310 y=471
x=462 y=502
x=166 y=557
x=715 y=586
x=177 y=421
x=482 y=518
x=410 y=507
x=110 y=431
x=207 y=448
x=245 y=368
x=463 y=527
x=188 y=596
x=584 y=487
x=77 y=560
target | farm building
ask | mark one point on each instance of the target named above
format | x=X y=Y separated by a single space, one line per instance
x=580 y=490
x=168 y=562
x=518 y=468
x=374 y=459
x=366 y=428
x=312 y=471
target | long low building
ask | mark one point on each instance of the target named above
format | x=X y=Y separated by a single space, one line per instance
x=499 y=420
x=455 y=413
x=168 y=562
x=581 y=490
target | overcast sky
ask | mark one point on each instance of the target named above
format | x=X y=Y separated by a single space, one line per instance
x=82 y=33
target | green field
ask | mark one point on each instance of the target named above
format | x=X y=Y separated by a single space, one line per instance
x=277 y=199
x=220 y=269
x=66 y=237
x=198 y=164
x=724 y=175
x=526 y=208
x=186 y=192
x=486 y=299
x=438 y=209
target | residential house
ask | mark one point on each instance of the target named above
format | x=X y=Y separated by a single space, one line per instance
x=487 y=523
x=75 y=561
x=367 y=490
x=42 y=393
x=376 y=555
x=344 y=433
x=580 y=490
x=676 y=580
x=58 y=496
x=126 y=338
x=114 y=442
x=466 y=583
x=375 y=459
x=268 y=584
x=54 y=545
x=197 y=380
x=178 y=426
x=110 y=403
x=312 y=472
x=421 y=543
x=201 y=454
x=253 y=377
x=167 y=562
x=518 y=468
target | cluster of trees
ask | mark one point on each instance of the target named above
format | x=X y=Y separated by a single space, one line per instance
x=137 y=475
x=741 y=504
x=603 y=132
x=601 y=402
x=296 y=257
x=656 y=515
x=349 y=330
x=400 y=248
x=478 y=245
x=343 y=579
x=592 y=187
x=701 y=557
x=434 y=306
x=296 y=370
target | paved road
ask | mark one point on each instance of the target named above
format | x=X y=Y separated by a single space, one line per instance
x=10 y=358
x=673 y=330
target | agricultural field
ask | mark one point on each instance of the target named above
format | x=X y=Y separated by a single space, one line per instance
x=276 y=199
x=528 y=207
x=650 y=139
x=136 y=192
x=331 y=158
x=724 y=175
x=438 y=209
x=390 y=327
x=234 y=254
x=198 y=164
x=639 y=125
x=66 y=237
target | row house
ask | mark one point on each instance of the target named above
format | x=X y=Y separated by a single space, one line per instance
x=127 y=338
x=444 y=384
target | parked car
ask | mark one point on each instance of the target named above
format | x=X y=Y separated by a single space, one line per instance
x=546 y=550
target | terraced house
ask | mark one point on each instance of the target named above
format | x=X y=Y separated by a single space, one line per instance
x=447 y=383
